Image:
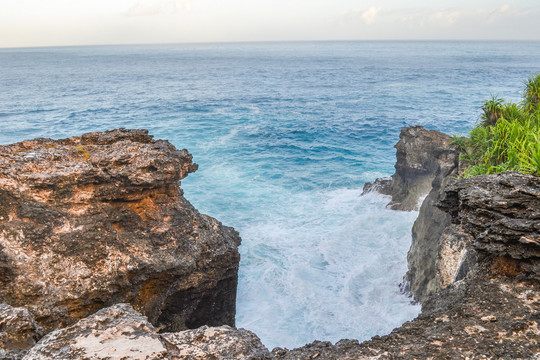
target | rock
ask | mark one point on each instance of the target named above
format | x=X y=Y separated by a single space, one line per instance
x=420 y=154
x=478 y=318
x=90 y=221
x=381 y=185
x=502 y=213
x=119 y=332
x=455 y=257
x=220 y=343
x=18 y=332
x=424 y=262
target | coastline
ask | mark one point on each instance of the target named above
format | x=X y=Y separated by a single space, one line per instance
x=484 y=302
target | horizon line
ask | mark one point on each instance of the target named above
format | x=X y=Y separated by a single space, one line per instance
x=262 y=42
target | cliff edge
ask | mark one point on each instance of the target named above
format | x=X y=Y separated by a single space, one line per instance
x=99 y=219
x=95 y=222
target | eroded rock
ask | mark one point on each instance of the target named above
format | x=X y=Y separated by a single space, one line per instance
x=480 y=318
x=90 y=221
x=502 y=213
x=119 y=332
x=221 y=342
x=420 y=155
x=18 y=332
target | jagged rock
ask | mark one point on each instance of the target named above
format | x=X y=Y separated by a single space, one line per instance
x=502 y=213
x=18 y=332
x=453 y=325
x=90 y=221
x=487 y=304
x=220 y=343
x=424 y=263
x=455 y=256
x=119 y=332
x=380 y=185
x=420 y=155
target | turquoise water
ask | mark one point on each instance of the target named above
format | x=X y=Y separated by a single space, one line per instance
x=285 y=135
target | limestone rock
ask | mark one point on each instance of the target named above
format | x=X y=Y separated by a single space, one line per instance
x=220 y=343
x=119 y=332
x=90 y=221
x=420 y=154
x=455 y=257
x=423 y=277
x=478 y=318
x=18 y=332
x=502 y=214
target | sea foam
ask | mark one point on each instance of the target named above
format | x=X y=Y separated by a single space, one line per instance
x=330 y=270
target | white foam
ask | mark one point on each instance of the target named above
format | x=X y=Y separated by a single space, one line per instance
x=328 y=270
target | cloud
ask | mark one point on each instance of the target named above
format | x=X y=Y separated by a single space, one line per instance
x=154 y=7
x=368 y=16
x=445 y=17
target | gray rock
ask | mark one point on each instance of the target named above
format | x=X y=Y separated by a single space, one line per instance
x=94 y=220
x=481 y=317
x=220 y=343
x=502 y=213
x=420 y=154
x=18 y=332
x=422 y=277
x=119 y=332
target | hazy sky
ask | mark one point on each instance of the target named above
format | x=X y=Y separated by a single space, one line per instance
x=81 y=22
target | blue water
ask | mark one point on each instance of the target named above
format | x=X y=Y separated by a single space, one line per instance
x=285 y=134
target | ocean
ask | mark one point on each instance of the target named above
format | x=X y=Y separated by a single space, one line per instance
x=285 y=135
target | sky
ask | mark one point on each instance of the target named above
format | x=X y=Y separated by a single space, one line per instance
x=28 y=23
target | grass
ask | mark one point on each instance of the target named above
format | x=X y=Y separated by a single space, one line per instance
x=507 y=137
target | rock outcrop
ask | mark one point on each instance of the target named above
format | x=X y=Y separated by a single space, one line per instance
x=97 y=220
x=434 y=248
x=502 y=214
x=221 y=342
x=487 y=261
x=420 y=155
x=426 y=161
x=91 y=221
x=18 y=332
x=119 y=332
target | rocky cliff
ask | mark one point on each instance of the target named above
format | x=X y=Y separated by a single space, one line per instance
x=91 y=221
x=488 y=259
x=475 y=258
x=426 y=161
x=420 y=156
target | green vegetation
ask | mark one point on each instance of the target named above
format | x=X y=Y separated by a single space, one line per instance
x=507 y=138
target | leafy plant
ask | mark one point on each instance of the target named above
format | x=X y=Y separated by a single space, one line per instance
x=493 y=110
x=531 y=95
x=508 y=138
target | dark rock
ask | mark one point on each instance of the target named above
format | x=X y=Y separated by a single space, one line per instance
x=119 y=332
x=421 y=154
x=381 y=185
x=456 y=323
x=18 y=332
x=423 y=257
x=91 y=221
x=502 y=214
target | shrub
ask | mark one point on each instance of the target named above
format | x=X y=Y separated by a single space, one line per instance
x=531 y=95
x=507 y=138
